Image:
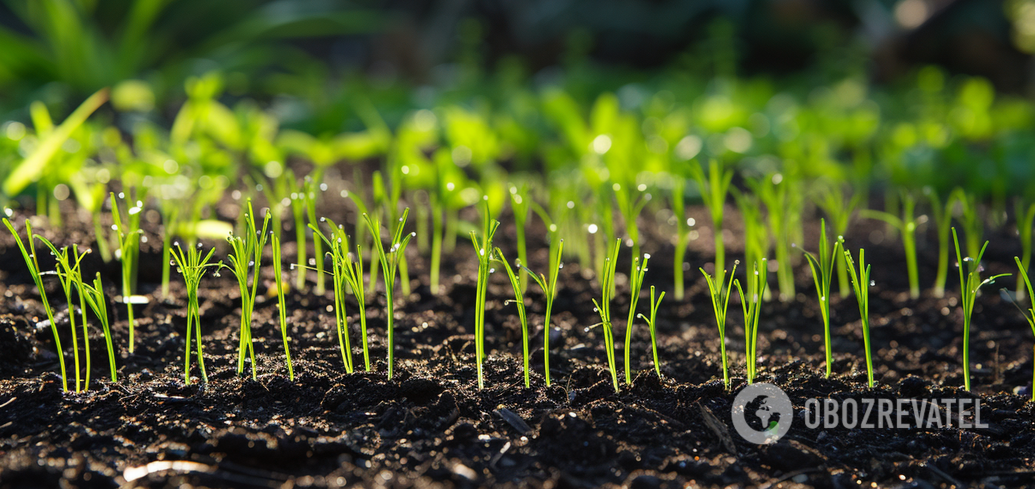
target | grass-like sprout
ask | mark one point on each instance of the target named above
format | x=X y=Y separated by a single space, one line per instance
x=752 y=307
x=31 y=261
x=281 y=308
x=651 y=323
x=906 y=225
x=839 y=210
x=607 y=281
x=192 y=265
x=347 y=273
x=942 y=214
x=245 y=260
x=971 y=219
x=389 y=267
x=714 y=187
x=1025 y=220
x=484 y=250
x=1028 y=314
x=128 y=238
x=550 y=292
x=309 y=197
x=970 y=284
x=639 y=269
x=720 y=297
x=822 y=274
x=69 y=274
x=861 y=285
x=98 y=304
x=519 y=301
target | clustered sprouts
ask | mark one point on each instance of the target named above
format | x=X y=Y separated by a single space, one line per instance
x=752 y=306
x=193 y=265
x=720 y=297
x=603 y=308
x=970 y=283
x=390 y=260
x=245 y=260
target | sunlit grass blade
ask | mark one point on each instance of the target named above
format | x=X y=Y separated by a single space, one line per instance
x=861 y=285
x=192 y=265
x=822 y=274
x=549 y=287
x=651 y=324
x=752 y=306
x=970 y=284
x=720 y=298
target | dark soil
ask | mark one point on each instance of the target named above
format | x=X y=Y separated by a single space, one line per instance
x=431 y=425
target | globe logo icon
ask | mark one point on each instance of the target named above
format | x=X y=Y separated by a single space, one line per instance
x=762 y=413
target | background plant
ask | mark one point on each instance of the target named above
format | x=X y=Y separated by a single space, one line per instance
x=714 y=187
x=906 y=225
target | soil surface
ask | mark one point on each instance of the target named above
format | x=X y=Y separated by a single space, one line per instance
x=431 y=425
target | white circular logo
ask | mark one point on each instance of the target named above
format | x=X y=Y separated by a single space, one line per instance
x=762 y=413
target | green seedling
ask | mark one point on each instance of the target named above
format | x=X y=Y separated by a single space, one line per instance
x=245 y=260
x=720 y=297
x=713 y=191
x=99 y=305
x=519 y=301
x=1029 y=314
x=31 y=261
x=651 y=323
x=907 y=227
x=69 y=274
x=861 y=284
x=347 y=273
x=639 y=269
x=192 y=265
x=822 y=274
x=309 y=196
x=389 y=267
x=607 y=280
x=128 y=237
x=281 y=307
x=550 y=292
x=970 y=284
x=752 y=306
x=484 y=249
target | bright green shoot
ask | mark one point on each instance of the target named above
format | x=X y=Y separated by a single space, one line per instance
x=389 y=260
x=70 y=276
x=128 y=238
x=654 y=304
x=31 y=261
x=714 y=187
x=607 y=281
x=639 y=269
x=549 y=291
x=907 y=227
x=309 y=197
x=484 y=249
x=281 y=308
x=192 y=265
x=347 y=274
x=822 y=274
x=245 y=260
x=720 y=297
x=861 y=285
x=970 y=284
x=519 y=301
x=99 y=305
x=752 y=306
x=1029 y=314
